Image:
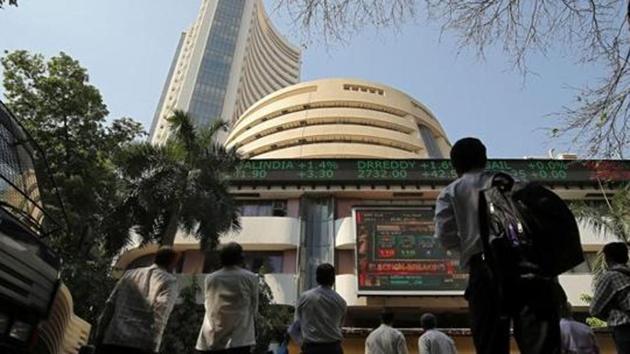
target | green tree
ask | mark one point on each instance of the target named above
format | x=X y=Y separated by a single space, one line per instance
x=180 y=185
x=11 y=2
x=66 y=116
x=610 y=218
x=182 y=330
x=594 y=32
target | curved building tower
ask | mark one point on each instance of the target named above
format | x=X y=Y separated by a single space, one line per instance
x=231 y=57
x=338 y=118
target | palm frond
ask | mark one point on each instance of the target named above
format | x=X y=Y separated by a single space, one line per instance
x=185 y=133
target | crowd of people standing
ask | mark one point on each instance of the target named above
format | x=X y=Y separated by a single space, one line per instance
x=531 y=309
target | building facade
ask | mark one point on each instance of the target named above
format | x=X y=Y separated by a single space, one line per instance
x=325 y=156
x=231 y=57
x=341 y=118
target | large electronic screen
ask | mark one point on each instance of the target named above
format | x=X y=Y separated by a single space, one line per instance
x=397 y=254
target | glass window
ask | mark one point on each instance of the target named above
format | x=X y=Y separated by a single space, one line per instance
x=263 y=208
x=429 y=142
x=264 y=262
x=209 y=91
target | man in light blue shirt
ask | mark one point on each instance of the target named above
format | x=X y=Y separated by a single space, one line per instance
x=320 y=313
x=386 y=339
x=433 y=341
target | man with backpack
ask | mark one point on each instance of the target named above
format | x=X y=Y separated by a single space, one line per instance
x=500 y=288
x=611 y=300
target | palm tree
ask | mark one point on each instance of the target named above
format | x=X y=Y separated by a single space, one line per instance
x=180 y=185
x=610 y=218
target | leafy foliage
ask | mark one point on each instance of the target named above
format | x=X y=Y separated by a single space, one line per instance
x=182 y=330
x=593 y=322
x=611 y=218
x=180 y=185
x=272 y=320
x=10 y=2
x=66 y=116
x=594 y=32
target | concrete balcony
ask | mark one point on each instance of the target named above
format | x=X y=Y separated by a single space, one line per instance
x=283 y=286
x=344 y=234
x=346 y=286
x=259 y=233
x=575 y=285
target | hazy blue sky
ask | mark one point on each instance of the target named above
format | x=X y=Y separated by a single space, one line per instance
x=127 y=46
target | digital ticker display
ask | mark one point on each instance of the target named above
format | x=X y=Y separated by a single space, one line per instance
x=398 y=255
x=424 y=170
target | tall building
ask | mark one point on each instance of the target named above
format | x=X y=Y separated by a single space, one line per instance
x=231 y=57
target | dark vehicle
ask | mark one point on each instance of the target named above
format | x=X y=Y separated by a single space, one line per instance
x=29 y=269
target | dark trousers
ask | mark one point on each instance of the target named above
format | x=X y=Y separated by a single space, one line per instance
x=238 y=350
x=621 y=336
x=532 y=306
x=322 y=348
x=117 y=349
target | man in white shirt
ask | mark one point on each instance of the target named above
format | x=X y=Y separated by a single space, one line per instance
x=577 y=338
x=386 y=339
x=320 y=313
x=138 y=308
x=231 y=301
x=433 y=341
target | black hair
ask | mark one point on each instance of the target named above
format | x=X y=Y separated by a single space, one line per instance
x=165 y=256
x=387 y=317
x=325 y=274
x=231 y=254
x=468 y=154
x=428 y=321
x=616 y=252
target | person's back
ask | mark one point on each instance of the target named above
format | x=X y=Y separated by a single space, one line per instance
x=457 y=214
x=231 y=302
x=536 y=327
x=433 y=341
x=320 y=313
x=385 y=339
x=611 y=299
x=436 y=342
x=140 y=306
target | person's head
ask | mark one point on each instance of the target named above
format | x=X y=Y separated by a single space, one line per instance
x=615 y=253
x=166 y=258
x=325 y=274
x=231 y=254
x=468 y=154
x=428 y=321
x=387 y=317
x=566 y=310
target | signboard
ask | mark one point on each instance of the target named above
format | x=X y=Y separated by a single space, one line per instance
x=424 y=171
x=397 y=254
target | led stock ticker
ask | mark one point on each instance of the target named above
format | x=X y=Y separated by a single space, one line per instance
x=425 y=170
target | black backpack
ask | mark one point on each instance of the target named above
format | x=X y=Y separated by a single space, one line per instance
x=527 y=230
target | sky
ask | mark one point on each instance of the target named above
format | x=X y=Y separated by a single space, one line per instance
x=127 y=47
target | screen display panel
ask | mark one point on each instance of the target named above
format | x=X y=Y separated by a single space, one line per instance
x=396 y=254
